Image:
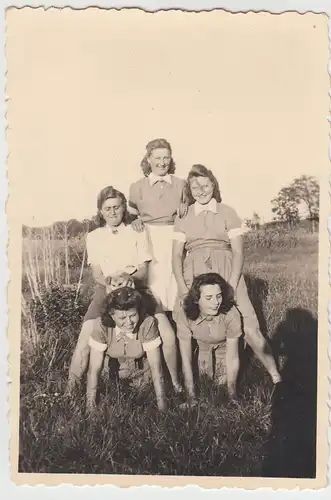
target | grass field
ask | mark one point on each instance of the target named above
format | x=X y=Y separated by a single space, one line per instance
x=267 y=432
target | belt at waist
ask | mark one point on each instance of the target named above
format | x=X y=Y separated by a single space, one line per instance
x=159 y=223
x=210 y=245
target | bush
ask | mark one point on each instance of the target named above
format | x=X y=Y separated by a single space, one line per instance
x=58 y=308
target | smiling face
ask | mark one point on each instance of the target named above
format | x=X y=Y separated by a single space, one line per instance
x=210 y=300
x=113 y=211
x=202 y=189
x=126 y=321
x=159 y=161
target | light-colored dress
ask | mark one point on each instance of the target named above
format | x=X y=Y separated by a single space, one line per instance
x=206 y=232
x=156 y=200
x=122 y=250
x=211 y=334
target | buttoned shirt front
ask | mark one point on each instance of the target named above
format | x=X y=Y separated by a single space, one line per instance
x=212 y=330
x=118 y=344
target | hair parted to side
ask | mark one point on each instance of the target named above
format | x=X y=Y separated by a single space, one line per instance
x=191 y=305
x=156 y=144
x=105 y=194
x=202 y=171
x=122 y=299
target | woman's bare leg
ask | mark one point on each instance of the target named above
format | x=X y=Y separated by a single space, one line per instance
x=80 y=358
x=253 y=334
x=263 y=352
x=169 y=348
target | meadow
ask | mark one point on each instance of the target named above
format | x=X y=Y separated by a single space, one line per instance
x=267 y=432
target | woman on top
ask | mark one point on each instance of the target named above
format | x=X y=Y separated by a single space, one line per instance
x=209 y=239
x=115 y=249
x=155 y=200
x=209 y=316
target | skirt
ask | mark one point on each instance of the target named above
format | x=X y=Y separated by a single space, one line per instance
x=161 y=280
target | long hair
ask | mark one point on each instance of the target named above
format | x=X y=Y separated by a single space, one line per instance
x=202 y=171
x=191 y=306
x=122 y=299
x=156 y=144
x=105 y=194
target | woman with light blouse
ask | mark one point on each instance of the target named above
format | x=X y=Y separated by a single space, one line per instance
x=114 y=249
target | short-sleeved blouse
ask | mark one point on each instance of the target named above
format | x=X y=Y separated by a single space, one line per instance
x=206 y=232
x=117 y=344
x=213 y=331
x=156 y=202
x=218 y=223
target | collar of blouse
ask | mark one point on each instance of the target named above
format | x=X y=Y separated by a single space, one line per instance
x=211 y=206
x=114 y=229
x=211 y=319
x=119 y=334
x=153 y=178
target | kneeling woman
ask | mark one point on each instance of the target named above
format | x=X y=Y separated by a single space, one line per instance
x=125 y=332
x=209 y=316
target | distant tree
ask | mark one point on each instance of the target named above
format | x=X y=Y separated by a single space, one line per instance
x=254 y=222
x=59 y=229
x=306 y=190
x=285 y=206
x=74 y=228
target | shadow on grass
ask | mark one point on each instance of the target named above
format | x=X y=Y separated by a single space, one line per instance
x=258 y=291
x=292 y=444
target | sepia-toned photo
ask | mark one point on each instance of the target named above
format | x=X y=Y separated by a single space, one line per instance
x=168 y=247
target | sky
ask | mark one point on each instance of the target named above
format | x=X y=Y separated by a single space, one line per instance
x=88 y=89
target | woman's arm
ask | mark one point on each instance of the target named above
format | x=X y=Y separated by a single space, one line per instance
x=154 y=359
x=185 y=347
x=237 y=246
x=95 y=366
x=232 y=365
x=177 y=266
x=98 y=275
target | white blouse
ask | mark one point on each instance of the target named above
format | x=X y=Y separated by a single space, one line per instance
x=115 y=252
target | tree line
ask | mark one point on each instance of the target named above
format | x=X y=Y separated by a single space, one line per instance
x=299 y=200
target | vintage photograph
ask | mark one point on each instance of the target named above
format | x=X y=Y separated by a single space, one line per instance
x=167 y=177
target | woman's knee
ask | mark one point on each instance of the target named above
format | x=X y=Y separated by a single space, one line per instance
x=166 y=331
x=255 y=339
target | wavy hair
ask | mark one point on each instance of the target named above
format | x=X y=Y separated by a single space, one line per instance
x=105 y=194
x=122 y=299
x=202 y=171
x=156 y=144
x=191 y=301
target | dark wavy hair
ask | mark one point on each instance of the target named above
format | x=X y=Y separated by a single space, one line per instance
x=156 y=144
x=105 y=194
x=191 y=306
x=122 y=299
x=202 y=171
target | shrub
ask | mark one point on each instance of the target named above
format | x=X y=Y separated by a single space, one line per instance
x=58 y=308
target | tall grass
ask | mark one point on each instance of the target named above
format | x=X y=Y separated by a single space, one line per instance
x=127 y=434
